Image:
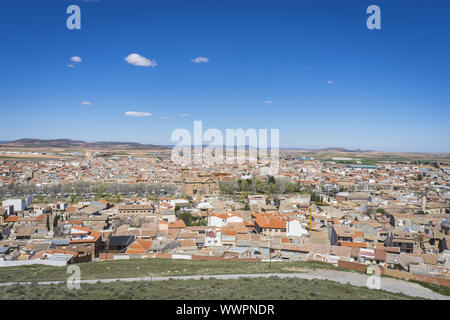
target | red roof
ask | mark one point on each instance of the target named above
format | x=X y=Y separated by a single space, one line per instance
x=97 y=235
x=270 y=221
x=353 y=244
x=179 y=224
x=139 y=246
x=12 y=219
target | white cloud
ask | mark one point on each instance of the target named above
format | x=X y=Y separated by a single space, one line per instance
x=165 y=118
x=184 y=115
x=75 y=59
x=138 y=60
x=70 y=66
x=86 y=103
x=268 y=101
x=200 y=60
x=330 y=82
x=137 y=114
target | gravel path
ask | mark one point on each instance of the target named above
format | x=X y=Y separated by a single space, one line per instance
x=352 y=278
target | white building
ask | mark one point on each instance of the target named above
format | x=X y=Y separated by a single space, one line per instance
x=295 y=229
x=18 y=204
x=221 y=220
x=174 y=202
x=213 y=238
x=204 y=205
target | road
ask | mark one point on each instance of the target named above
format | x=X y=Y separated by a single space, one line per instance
x=352 y=278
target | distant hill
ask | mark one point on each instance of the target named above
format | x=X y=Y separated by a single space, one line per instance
x=68 y=143
x=343 y=150
x=329 y=150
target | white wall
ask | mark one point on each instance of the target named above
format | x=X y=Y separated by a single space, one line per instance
x=16 y=263
x=19 y=204
x=235 y=219
x=182 y=256
x=212 y=242
x=295 y=229
x=216 y=221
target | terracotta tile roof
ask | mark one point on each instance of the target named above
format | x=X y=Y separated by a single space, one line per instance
x=248 y=224
x=357 y=234
x=12 y=219
x=187 y=235
x=380 y=255
x=95 y=234
x=139 y=246
x=187 y=243
x=179 y=224
x=353 y=244
x=269 y=221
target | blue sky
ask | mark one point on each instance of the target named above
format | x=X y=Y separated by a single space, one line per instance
x=332 y=82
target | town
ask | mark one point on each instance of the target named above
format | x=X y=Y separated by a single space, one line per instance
x=339 y=210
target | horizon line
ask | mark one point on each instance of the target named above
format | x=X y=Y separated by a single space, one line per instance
x=342 y=149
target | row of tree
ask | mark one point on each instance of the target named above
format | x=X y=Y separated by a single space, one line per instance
x=83 y=188
x=55 y=222
x=271 y=186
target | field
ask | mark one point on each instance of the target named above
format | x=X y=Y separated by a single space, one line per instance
x=209 y=289
x=154 y=268
x=433 y=287
x=60 y=150
x=383 y=157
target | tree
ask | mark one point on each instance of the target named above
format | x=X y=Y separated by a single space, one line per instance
x=244 y=185
x=268 y=201
x=48 y=223
x=281 y=184
x=55 y=221
x=199 y=222
x=276 y=203
x=73 y=199
x=247 y=207
x=177 y=209
x=187 y=218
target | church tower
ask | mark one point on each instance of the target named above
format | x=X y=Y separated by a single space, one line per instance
x=184 y=173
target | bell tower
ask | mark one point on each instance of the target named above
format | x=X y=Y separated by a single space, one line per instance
x=184 y=173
